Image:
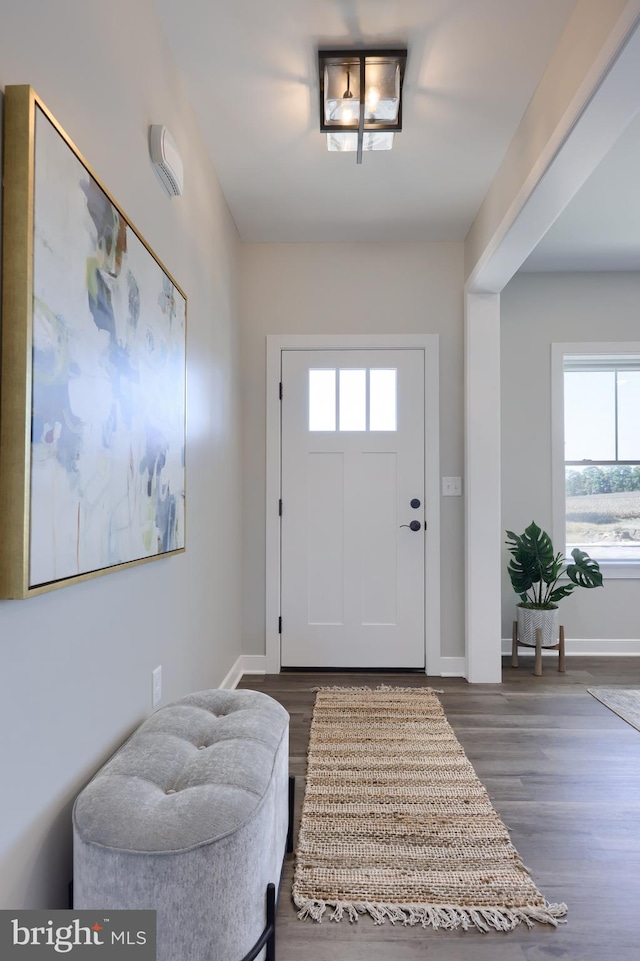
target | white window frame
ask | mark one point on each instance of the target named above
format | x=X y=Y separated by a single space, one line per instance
x=610 y=569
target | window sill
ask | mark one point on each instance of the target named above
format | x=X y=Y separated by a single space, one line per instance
x=620 y=570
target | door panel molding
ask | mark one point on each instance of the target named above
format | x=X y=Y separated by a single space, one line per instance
x=276 y=344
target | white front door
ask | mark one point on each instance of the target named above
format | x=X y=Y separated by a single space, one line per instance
x=353 y=469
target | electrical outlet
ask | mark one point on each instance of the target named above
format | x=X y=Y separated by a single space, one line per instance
x=156 y=686
x=451 y=486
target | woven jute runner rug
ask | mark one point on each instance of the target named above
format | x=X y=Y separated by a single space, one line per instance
x=396 y=824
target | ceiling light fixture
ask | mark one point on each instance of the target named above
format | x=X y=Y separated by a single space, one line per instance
x=360 y=98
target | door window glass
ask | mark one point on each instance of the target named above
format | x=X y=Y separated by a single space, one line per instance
x=382 y=399
x=322 y=399
x=353 y=399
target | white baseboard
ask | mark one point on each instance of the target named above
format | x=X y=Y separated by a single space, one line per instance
x=457 y=666
x=586 y=647
x=453 y=666
x=234 y=675
x=254 y=664
x=245 y=664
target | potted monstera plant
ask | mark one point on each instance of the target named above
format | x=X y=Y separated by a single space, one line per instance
x=535 y=570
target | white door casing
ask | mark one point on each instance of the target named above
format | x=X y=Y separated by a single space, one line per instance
x=428 y=545
x=352 y=578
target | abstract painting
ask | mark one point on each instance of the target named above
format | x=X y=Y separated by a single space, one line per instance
x=104 y=381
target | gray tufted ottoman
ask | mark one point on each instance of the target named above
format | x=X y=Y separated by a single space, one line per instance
x=190 y=818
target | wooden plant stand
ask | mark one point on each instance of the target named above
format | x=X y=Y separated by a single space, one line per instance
x=537 y=669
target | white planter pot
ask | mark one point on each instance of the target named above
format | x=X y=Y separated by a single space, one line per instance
x=530 y=620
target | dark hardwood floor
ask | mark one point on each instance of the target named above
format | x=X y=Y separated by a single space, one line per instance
x=563 y=772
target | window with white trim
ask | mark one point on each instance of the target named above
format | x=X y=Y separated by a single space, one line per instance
x=601 y=461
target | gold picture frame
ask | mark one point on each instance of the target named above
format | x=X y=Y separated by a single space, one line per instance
x=93 y=371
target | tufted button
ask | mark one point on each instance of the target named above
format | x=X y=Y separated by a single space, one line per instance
x=170 y=790
x=202 y=747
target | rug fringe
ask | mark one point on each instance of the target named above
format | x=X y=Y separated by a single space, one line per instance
x=380 y=687
x=445 y=916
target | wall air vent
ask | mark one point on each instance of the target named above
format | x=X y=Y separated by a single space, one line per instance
x=166 y=159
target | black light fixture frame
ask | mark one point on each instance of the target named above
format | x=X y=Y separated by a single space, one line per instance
x=344 y=56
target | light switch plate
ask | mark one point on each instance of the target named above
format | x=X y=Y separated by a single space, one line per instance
x=451 y=486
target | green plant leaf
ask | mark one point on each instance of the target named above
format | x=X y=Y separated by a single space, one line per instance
x=585 y=572
x=523 y=576
x=560 y=592
x=537 y=543
x=553 y=571
x=522 y=568
x=532 y=558
x=535 y=569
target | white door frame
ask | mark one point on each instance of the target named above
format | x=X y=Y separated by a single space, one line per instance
x=276 y=343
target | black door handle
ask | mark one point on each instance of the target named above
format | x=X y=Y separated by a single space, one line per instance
x=414 y=525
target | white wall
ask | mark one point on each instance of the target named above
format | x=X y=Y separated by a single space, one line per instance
x=536 y=311
x=75 y=664
x=352 y=288
x=593 y=33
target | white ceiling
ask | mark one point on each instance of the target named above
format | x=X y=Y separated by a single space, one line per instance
x=251 y=70
x=600 y=228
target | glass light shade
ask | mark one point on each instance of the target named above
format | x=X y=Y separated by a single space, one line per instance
x=340 y=79
x=343 y=112
x=382 y=91
x=360 y=106
x=348 y=141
